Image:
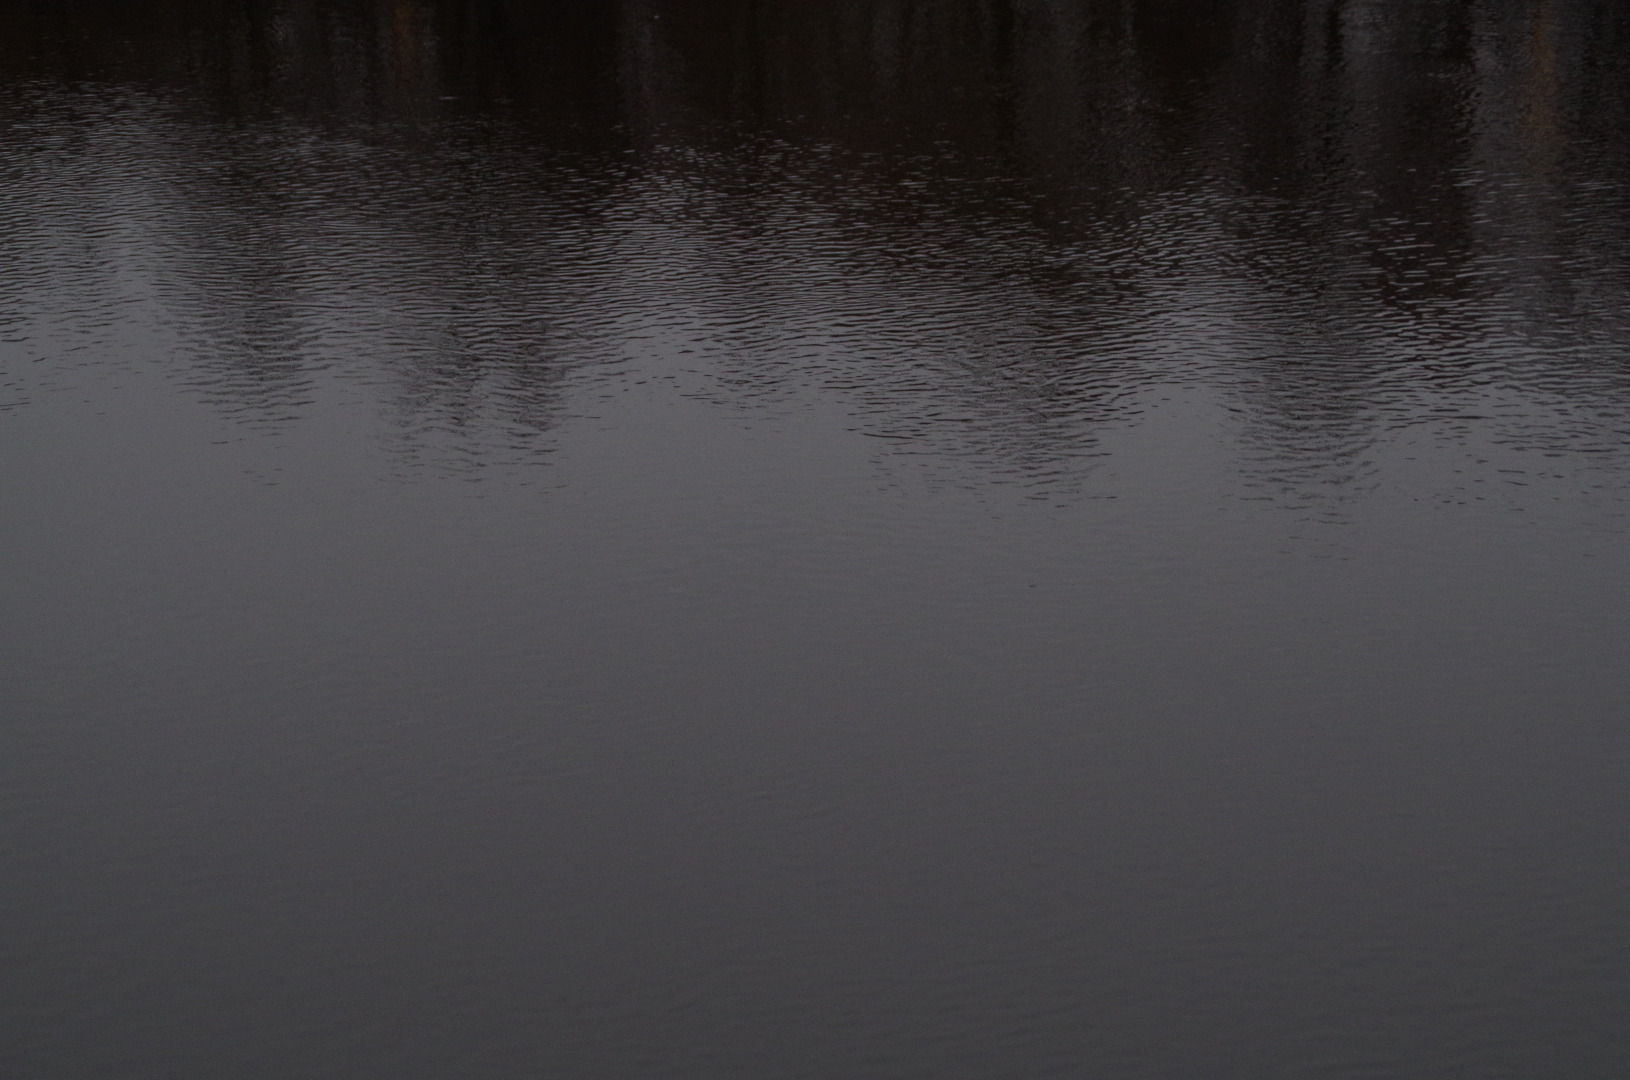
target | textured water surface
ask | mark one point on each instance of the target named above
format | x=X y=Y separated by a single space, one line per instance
x=868 y=538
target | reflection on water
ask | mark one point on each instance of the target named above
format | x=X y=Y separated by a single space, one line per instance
x=879 y=645
x=985 y=228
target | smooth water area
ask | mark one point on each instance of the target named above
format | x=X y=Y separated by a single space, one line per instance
x=833 y=539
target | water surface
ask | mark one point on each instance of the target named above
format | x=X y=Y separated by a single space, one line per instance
x=867 y=538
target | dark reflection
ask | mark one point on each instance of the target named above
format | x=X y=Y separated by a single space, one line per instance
x=985 y=226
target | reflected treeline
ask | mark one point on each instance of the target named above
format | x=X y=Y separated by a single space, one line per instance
x=989 y=227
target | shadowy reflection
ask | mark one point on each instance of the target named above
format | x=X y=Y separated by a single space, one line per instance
x=989 y=228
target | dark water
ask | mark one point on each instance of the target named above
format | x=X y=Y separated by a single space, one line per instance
x=848 y=539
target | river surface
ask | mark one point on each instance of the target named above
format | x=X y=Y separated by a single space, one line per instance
x=840 y=540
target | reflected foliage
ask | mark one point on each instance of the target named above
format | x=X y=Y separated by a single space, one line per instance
x=989 y=228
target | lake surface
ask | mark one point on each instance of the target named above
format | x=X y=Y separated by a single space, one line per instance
x=835 y=539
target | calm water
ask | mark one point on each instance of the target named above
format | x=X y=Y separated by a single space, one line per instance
x=834 y=539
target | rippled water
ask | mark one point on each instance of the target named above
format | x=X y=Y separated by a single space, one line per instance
x=866 y=538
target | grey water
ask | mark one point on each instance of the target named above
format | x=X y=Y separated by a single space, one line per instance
x=831 y=539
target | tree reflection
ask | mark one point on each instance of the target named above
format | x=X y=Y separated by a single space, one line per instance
x=989 y=227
